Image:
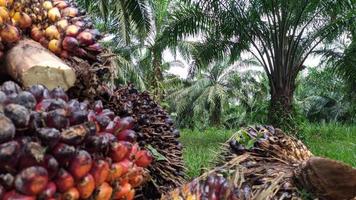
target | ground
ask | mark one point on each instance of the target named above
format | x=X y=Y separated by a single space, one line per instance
x=329 y=140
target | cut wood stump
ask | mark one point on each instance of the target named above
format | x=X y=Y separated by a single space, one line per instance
x=29 y=63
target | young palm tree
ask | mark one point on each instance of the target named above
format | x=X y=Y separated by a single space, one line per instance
x=281 y=34
x=206 y=94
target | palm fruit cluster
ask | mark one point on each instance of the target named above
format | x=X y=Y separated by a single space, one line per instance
x=53 y=147
x=256 y=163
x=57 y=24
x=155 y=131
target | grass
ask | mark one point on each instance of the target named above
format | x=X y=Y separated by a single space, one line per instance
x=329 y=140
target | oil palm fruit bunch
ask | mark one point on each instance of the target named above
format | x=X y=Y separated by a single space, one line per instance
x=53 y=147
x=155 y=131
x=57 y=24
x=262 y=162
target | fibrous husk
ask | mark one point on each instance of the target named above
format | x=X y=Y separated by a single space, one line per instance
x=264 y=163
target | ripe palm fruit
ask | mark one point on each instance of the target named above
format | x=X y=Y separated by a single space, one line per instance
x=143 y=158
x=72 y=30
x=71 y=194
x=32 y=180
x=64 y=180
x=47 y=5
x=10 y=34
x=100 y=171
x=24 y=21
x=81 y=164
x=104 y=192
x=15 y=195
x=86 y=186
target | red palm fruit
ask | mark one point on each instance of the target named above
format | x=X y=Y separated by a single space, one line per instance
x=98 y=107
x=122 y=191
x=9 y=155
x=63 y=153
x=13 y=195
x=86 y=186
x=10 y=34
x=71 y=194
x=70 y=43
x=119 y=169
x=143 y=158
x=7 y=131
x=72 y=30
x=104 y=192
x=134 y=149
x=49 y=191
x=85 y=38
x=36 y=34
x=130 y=195
x=32 y=180
x=136 y=181
x=119 y=150
x=64 y=180
x=70 y=12
x=127 y=135
x=44 y=42
x=100 y=171
x=94 y=48
x=64 y=54
x=81 y=164
x=51 y=164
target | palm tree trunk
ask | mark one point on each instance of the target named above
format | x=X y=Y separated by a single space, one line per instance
x=158 y=75
x=281 y=105
x=215 y=117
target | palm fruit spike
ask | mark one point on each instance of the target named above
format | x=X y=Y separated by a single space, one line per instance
x=54 y=147
x=273 y=166
x=156 y=130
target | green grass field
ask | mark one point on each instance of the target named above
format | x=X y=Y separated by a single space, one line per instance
x=329 y=140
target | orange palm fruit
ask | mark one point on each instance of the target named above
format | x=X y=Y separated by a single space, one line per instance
x=72 y=30
x=36 y=34
x=81 y=164
x=86 y=186
x=62 y=24
x=136 y=181
x=71 y=194
x=61 y=4
x=122 y=191
x=10 y=34
x=64 y=180
x=24 y=21
x=100 y=171
x=70 y=12
x=104 y=192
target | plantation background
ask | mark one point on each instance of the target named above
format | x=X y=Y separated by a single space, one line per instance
x=224 y=90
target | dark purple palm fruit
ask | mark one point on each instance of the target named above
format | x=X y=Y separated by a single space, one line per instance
x=9 y=152
x=10 y=87
x=26 y=99
x=18 y=114
x=49 y=136
x=7 y=130
x=59 y=93
x=37 y=91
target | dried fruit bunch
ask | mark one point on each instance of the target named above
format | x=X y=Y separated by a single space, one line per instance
x=157 y=131
x=258 y=163
x=55 y=148
x=57 y=24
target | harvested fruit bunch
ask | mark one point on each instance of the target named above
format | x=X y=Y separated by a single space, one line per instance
x=264 y=163
x=156 y=130
x=57 y=24
x=53 y=147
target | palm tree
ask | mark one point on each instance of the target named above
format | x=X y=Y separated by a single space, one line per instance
x=207 y=94
x=280 y=34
